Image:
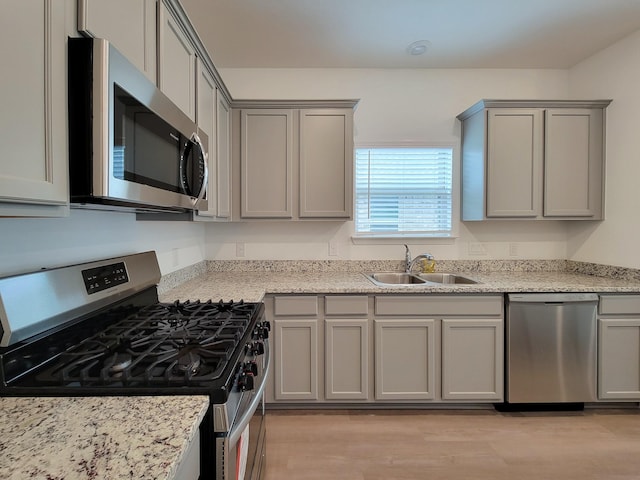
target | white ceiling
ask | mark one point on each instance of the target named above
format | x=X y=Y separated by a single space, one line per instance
x=376 y=33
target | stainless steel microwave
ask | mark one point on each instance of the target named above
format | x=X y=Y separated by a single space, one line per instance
x=130 y=147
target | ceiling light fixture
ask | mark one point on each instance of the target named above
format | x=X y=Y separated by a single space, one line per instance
x=419 y=47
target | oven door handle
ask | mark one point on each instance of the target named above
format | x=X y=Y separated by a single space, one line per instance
x=238 y=428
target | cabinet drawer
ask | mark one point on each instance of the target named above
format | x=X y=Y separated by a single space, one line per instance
x=296 y=305
x=619 y=304
x=438 y=305
x=347 y=305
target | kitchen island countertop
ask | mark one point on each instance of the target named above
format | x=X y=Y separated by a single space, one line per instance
x=78 y=438
x=252 y=286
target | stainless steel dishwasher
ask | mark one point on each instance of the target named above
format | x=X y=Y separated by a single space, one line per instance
x=551 y=347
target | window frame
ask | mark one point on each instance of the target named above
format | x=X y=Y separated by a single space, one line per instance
x=400 y=238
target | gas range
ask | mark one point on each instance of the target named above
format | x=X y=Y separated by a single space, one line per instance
x=98 y=329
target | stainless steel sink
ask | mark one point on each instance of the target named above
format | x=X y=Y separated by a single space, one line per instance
x=394 y=279
x=447 y=278
x=385 y=279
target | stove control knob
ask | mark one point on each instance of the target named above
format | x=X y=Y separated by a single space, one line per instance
x=262 y=330
x=250 y=367
x=254 y=348
x=257 y=348
x=245 y=382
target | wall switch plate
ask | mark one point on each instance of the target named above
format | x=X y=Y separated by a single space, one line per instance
x=333 y=248
x=239 y=249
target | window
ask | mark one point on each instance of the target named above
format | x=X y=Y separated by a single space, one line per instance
x=403 y=191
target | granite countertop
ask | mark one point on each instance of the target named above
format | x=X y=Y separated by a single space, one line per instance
x=96 y=437
x=252 y=286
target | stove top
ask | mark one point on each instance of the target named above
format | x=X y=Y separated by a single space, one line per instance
x=175 y=344
x=124 y=342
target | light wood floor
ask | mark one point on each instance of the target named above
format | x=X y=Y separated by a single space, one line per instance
x=452 y=445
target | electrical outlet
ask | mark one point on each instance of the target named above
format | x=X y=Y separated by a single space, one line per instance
x=239 y=249
x=513 y=250
x=333 y=248
x=477 y=249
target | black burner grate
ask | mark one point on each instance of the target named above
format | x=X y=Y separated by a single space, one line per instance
x=165 y=345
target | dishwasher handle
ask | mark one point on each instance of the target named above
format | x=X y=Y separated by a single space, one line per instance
x=552 y=297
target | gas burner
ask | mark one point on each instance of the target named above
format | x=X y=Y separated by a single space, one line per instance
x=118 y=362
x=188 y=363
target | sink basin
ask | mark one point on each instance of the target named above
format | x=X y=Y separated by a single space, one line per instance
x=447 y=278
x=394 y=278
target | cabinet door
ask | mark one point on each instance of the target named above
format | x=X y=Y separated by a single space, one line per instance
x=33 y=131
x=573 y=163
x=405 y=359
x=266 y=151
x=346 y=359
x=619 y=358
x=296 y=359
x=223 y=157
x=514 y=162
x=177 y=64
x=472 y=359
x=206 y=120
x=130 y=25
x=326 y=163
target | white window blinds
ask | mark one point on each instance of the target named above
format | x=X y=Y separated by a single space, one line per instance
x=403 y=191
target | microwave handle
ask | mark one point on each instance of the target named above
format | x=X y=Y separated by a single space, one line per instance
x=196 y=139
x=183 y=160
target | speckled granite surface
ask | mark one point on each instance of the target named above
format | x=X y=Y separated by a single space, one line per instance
x=96 y=437
x=231 y=280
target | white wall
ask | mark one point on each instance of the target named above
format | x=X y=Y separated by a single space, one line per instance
x=412 y=105
x=30 y=244
x=396 y=105
x=614 y=73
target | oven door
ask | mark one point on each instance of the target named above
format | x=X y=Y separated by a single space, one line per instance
x=240 y=454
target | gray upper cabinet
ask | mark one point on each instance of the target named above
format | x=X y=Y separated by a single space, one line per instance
x=266 y=153
x=33 y=138
x=295 y=160
x=130 y=25
x=223 y=157
x=206 y=120
x=533 y=160
x=326 y=158
x=176 y=62
x=574 y=160
x=514 y=171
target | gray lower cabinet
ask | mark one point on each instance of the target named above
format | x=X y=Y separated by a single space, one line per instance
x=442 y=348
x=386 y=348
x=296 y=359
x=347 y=347
x=295 y=348
x=472 y=359
x=533 y=159
x=405 y=359
x=619 y=348
x=346 y=359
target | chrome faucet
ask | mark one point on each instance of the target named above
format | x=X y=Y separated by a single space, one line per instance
x=409 y=263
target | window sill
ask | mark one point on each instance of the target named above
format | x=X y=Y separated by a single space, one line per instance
x=402 y=239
